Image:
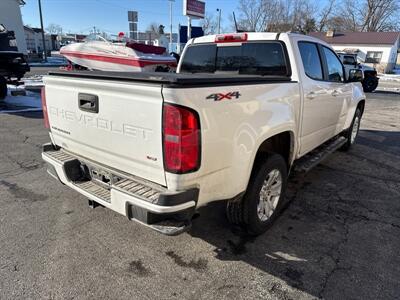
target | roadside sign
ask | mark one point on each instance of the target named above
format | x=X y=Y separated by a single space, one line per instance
x=196 y=31
x=194 y=8
x=133 y=27
x=133 y=24
x=132 y=16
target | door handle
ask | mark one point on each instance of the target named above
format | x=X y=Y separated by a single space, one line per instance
x=311 y=95
x=335 y=93
x=88 y=102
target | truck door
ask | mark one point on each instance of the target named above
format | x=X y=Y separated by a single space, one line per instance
x=323 y=94
x=340 y=91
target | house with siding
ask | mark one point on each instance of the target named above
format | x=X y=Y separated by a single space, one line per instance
x=34 y=40
x=377 y=49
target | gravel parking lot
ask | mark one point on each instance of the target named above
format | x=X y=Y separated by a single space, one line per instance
x=339 y=237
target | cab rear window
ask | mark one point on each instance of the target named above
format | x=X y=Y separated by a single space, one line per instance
x=251 y=58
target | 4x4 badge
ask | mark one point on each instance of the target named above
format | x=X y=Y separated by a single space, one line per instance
x=221 y=96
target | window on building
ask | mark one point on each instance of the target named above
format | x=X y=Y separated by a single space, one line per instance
x=373 y=57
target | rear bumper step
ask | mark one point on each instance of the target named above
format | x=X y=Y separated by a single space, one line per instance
x=165 y=211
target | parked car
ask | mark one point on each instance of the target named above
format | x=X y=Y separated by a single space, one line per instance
x=370 y=76
x=12 y=63
x=242 y=111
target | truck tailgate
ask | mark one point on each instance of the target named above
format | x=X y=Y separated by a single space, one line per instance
x=117 y=124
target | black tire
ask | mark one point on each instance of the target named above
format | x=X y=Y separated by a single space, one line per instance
x=243 y=212
x=3 y=88
x=348 y=134
x=370 y=84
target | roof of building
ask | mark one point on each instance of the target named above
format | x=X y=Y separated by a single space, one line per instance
x=37 y=30
x=352 y=38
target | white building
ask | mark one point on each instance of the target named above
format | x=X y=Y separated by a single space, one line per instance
x=378 y=49
x=10 y=17
x=34 y=40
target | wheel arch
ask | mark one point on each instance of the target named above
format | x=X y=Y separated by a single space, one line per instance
x=361 y=105
x=282 y=143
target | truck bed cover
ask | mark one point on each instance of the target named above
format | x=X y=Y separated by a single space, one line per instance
x=174 y=79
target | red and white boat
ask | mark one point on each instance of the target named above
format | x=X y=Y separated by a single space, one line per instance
x=97 y=53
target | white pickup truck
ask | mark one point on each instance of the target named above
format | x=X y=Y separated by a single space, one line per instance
x=242 y=111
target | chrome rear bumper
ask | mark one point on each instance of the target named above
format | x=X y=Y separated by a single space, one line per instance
x=153 y=205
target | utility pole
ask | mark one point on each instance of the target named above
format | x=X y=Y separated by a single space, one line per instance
x=189 y=29
x=41 y=24
x=170 y=21
x=219 y=20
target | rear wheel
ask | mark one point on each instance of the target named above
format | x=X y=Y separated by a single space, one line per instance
x=3 y=87
x=352 y=133
x=263 y=199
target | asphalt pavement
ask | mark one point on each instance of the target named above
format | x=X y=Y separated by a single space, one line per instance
x=339 y=237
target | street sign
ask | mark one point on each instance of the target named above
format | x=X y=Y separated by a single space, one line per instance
x=133 y=24
x=133 y=27
x=196 y=31
x=132 y=16
x=194 y=8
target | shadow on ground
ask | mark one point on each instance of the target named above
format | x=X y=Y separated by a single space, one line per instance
x=384 y=92
x=338 y=236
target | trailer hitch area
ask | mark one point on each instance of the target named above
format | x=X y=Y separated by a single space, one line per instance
x=93 y=204
x=80 y=171
x=101 y=176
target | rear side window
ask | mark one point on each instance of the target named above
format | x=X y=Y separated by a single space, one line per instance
x=199 y=59
x=349 y=60
x=264 y=58
x=311 y=60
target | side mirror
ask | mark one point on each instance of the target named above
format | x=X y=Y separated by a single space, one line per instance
x=355 y=75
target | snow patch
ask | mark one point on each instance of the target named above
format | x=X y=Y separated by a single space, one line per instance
x=51 y=61
x=34 y=81
x=390 y=77
x=30 y=102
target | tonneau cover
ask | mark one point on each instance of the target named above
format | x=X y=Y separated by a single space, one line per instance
x=172 y=78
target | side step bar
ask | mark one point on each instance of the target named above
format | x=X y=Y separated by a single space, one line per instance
x=310 y=160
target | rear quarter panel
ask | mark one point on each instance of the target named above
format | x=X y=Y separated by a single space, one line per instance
x=231 y=132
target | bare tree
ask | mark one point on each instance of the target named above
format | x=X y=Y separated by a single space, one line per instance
x=305 y=15
x=366 y=15
x=209 y=23
x=302 y=15
x=345 y=18
x=54 y=29
x=252 y=15
x=380 y=15
x=277 y=15
x=155 y=30
x=325 y=15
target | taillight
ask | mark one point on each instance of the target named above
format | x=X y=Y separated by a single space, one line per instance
x=231 y=38
x=181 y=139
x=44 y=108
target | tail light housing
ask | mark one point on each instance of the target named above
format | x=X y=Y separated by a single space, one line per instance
x=44 y=108
x=231 y=38
x=181 y=139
